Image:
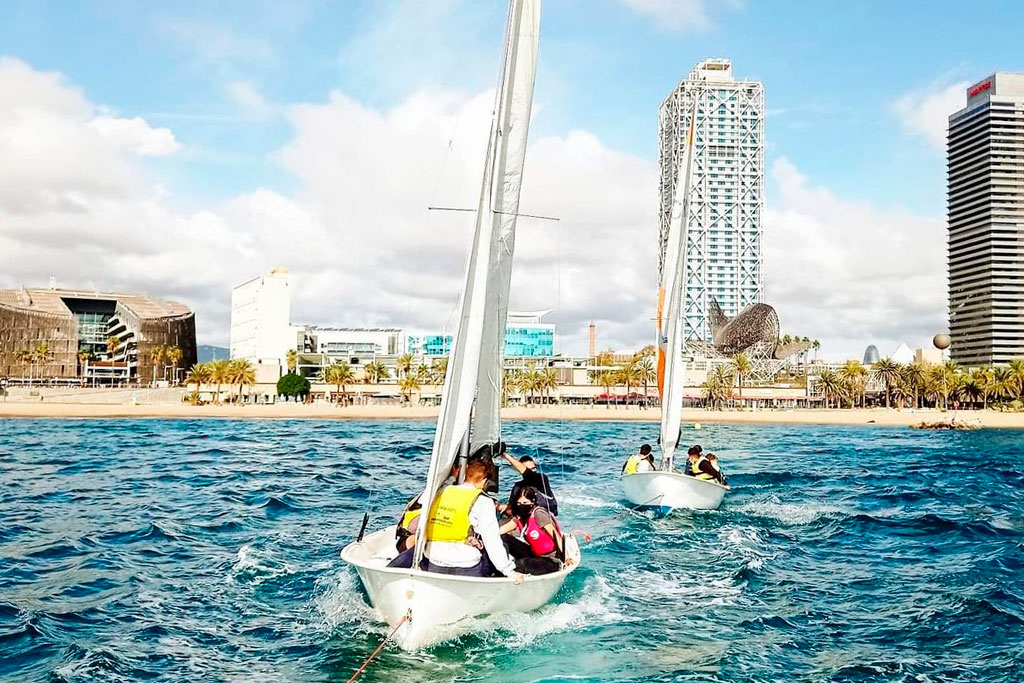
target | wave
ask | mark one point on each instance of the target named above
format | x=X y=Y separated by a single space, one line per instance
x=254 y=566
x=792 y=514
x=930 y=524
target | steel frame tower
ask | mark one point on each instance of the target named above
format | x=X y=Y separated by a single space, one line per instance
x=723 y=246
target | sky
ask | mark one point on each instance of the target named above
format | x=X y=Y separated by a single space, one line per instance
x=180 y=149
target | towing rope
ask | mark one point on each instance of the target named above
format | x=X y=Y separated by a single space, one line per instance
x=373 y=655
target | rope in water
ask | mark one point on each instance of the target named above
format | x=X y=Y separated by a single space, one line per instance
x=373 y=655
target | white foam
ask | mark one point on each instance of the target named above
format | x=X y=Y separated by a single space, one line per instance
x=794 y=514
x=343 y=604
x=257 y=566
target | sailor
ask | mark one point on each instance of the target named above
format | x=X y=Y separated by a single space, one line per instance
x=698 y=466
x=640 y=462
x=712 y=460
x=462 y=530
x=531 y=476
x=485 y=454
x=533 y=536
x=405 y=530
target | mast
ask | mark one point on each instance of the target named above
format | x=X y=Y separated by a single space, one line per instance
x=671 y=366
x=474 y=362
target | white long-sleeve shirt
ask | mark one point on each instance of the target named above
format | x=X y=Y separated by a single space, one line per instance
x=485 y=524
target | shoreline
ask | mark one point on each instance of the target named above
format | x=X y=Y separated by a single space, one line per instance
x=323 y=411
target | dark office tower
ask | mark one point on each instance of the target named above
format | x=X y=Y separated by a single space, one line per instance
x=986 y=222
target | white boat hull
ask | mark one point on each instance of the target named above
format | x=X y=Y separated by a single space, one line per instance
x=672 y=490
x=441 y=606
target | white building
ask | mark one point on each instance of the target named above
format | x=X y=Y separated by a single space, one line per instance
x=985 y=152
x=353 y=341
x=723 y=247
x=260 y=311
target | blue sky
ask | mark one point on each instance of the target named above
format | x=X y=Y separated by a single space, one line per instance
x=226 y=77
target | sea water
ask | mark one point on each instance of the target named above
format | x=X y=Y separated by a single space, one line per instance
x=208 y=550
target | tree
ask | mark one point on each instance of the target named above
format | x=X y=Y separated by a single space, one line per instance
x=199 y=375
x=814 y=345
x=84 y=356
x=407 y=385
x=548 y=381
x=831 y=386
x=853 y=375
x=630 y=375
x=220 y=373
x=913 y=376
x=718 y=386
x=607 y=379
x=293 y=385
x=242 y=373
x=1016 y=367
x=741 y=366
x=339 y=374
x=174 y=356
x=292 y=360
x=438 y=370
x=647 y=372
x=43 y=355
x=983 y=377
x=112 y=344
x=888 y=372
x=26 y=357
x=159 y=356
x=646 y=352
x=404 y=364
x=374 y=372
x=1003 y=383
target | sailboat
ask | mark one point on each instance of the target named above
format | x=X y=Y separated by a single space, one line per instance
x=665 y=488
x=426 y=608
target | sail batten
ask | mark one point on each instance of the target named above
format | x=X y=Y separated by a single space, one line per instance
x=474 y=372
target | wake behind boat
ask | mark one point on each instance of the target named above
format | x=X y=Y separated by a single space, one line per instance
x=664 y=488
x=428 y=607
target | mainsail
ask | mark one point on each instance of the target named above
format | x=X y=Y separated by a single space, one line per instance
x=475 y=360
x=671 y=366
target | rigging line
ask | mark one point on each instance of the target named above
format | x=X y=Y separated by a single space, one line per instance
x=373 y=655
x=503 y=213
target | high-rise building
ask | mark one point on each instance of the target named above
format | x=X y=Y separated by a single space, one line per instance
x=723 y=244
x=986 y=222
x=260 y=319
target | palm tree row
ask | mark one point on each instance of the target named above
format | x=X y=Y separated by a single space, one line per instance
x=636 y=372
x=531 y=381
x=221 y=372
x=914 y=385
x=164 y=356
x=41 y=354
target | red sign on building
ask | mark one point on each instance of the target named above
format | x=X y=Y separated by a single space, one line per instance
x=981 y=87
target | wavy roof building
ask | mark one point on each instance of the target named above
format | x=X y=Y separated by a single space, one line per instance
x=105 y=336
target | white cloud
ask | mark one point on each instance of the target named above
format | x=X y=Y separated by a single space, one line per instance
x=852 y=274
x=245 y=95
x=673 y=14
x=136 y=135
x=926 y=112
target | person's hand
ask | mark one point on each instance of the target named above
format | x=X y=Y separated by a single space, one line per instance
x=517 y=578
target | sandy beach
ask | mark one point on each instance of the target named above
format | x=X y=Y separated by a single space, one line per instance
x=881 y=417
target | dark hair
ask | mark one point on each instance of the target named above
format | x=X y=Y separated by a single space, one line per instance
x=527 y=458
x=529 y=493
x=500 y=447
x=695 y=450
x=645 y=449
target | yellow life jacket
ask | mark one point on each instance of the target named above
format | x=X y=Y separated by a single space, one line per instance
x=696 y=472
x=409 y=516
x=632 y=463
x=449 y=513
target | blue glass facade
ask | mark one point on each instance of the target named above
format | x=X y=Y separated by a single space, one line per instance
x=529 y=341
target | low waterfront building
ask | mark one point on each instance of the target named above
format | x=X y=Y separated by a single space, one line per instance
x=93 y=336
x=526 y=336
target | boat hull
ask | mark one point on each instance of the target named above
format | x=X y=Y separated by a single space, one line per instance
x=672 y=490
x=441 y=606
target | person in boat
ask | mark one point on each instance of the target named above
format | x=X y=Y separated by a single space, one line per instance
x=532 y=537
x=698 y=466
x=640 y=462
x=485 y=454
x=405 y=530
x=712 y=460
x=462 y=530
x=526 y=466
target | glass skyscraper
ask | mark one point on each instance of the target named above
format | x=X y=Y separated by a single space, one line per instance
x=723 y=245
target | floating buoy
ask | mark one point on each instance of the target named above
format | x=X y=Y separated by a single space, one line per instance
x=696 y=425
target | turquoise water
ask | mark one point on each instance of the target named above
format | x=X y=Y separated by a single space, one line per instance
x=208 y=550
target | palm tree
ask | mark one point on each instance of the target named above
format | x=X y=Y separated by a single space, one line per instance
x=1003 y=383
x=26 y=357
x=509 y=384
x=888 y=372
x=220 y=373
x=630 y=375
x=242 y=373
x=407 y=385
x=159 y=356
x=718 y=386
x=970 y=389
x=913 y=376
x=339 y=374
x=786 y=339
x=548 y=381
x=438 y=369
x=374 y=372
x=647 y=372
x=831 y=385
x=43 y=355
x=174 y=356
x=853 y=374
x=607 y=379
x=1016 y=367
x=84 y=356
x=292 y=360
x=646 y=352
x=814 y=345
x=112 y=344
x=741 y=366
x=199 y=375
x=404 y=363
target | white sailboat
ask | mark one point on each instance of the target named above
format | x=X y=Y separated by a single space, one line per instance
x=427 y=608
x=665 y=488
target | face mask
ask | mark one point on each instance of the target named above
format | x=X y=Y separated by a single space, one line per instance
x=522 y=510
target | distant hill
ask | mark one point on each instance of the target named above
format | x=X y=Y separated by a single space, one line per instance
x=208 y=353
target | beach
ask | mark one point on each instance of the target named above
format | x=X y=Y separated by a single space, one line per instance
x=322 y=410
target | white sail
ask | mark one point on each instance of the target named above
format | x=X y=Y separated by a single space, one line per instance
x=671 y=365
x=474 y=362
x=513 y=119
